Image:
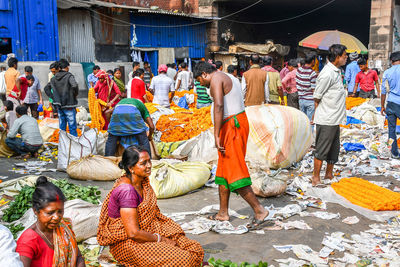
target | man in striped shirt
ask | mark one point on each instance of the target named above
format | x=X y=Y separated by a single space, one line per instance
x=305 y=83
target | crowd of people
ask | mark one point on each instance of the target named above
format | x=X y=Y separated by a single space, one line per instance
x=131 y=223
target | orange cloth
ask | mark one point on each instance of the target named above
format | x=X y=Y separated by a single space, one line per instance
x=111 y=232
x=65 y=246
x=232 y=170
x=10 y=76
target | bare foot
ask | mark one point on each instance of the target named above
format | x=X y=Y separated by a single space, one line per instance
x=262 y=215
x=35 y=155
x=218 y=217
x=330 y=177
x=27 y=156
x=316 y=181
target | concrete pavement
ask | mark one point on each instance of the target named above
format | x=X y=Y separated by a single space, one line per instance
x=249 y=247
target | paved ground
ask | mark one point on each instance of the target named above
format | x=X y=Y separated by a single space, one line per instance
x=248 y=247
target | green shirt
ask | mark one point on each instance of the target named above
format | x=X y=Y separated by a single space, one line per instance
x=202 y=96
x=137 y=103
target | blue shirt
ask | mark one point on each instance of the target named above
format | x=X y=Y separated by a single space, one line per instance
x=350 y=76
x=92 y=78
x=32 y=95
x=392 y=76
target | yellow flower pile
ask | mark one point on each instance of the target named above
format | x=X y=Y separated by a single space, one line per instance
x=95 y=110
x=352 y=102
x=151 y=107
x=368 y=195
x=184 y=124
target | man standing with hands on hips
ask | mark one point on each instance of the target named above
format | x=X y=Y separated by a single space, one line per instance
x=330 y=112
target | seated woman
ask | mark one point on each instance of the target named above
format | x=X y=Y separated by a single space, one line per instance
x=50 y=241
x=132 y=225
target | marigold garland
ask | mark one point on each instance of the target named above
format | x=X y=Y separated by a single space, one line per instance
x=352 y=102
x=184 y=124
x=368 y=195
x=95 y=110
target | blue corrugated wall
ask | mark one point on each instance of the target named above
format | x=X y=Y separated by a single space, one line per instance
x=193 y=36
x=32 y=27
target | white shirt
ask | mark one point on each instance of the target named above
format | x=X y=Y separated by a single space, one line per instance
x=162 y=85
x=171 y=72
x=130 y=75
x=330 y=90
x=8 y=256
x=266 y=88
x=184 y=77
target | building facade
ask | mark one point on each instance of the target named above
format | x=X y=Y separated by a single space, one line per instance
x=102 y=31
x=27 y=31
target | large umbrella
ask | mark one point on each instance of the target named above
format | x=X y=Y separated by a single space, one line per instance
x=323 y=40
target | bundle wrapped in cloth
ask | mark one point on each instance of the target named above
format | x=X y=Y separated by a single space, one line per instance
x=279 y=135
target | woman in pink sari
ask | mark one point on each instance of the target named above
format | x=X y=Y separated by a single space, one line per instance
x=107 y=91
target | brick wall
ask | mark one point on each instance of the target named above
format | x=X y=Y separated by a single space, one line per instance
x=187 y=6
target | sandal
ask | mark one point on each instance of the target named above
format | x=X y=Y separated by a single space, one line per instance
x=320 y=186
x=259 y=224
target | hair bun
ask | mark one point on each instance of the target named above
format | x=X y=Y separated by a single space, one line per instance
x=121 y=165
x=41 y=181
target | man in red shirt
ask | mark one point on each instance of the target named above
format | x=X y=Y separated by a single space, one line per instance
x=17 y=95
x=367 y=79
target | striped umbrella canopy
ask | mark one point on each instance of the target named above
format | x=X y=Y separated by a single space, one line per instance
x=324 y=39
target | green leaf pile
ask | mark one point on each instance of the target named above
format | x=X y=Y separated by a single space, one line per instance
x=228 y=263
x=14 y=229
x=23 y=201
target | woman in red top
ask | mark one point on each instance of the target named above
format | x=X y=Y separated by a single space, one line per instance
x=50 y=241
x=107 y=91
x=18 y=94
x=138 y=87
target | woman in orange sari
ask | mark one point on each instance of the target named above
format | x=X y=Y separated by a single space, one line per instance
x=107 y=91
x=50 y=242
x=132 y=225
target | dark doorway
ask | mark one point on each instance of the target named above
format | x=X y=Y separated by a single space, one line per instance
x=5 y=47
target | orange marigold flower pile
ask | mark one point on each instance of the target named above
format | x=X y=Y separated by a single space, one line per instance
x=56 y=134
x=95 y=110
x=368 y=195
x=184 y=124
x=150 y=96
x=352 y=102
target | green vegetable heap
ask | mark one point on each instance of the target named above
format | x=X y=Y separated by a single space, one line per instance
x=228 y=263
x=23 y=201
